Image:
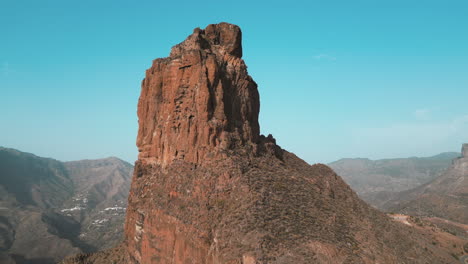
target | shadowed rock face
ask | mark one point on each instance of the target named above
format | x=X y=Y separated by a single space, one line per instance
x=209 y=189
x=199 y=100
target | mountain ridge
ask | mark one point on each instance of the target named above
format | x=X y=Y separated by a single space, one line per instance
x=445 y=196
x=377 y=181
x=53 y=209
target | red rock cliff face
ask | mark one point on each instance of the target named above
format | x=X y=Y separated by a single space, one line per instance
x=196 y=107
x=209 y=189
x=199 y=100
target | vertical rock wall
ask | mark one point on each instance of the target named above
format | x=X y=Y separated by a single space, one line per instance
x=199 y=100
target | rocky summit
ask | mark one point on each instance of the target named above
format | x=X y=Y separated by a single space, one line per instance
x=198 y=101
x=209 y=189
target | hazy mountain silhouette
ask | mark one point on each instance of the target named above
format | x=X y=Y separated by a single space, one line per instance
x=378 y=181
x=51 y=209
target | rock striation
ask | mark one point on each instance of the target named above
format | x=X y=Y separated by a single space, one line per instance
x=199 y=101
x=209 y=189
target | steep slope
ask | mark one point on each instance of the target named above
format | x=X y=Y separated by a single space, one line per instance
x=377 y=181
x=30 y=179
x=99 y=201
x=42 y=214
x=208 y=188
x=26 y=185
x=444 y=197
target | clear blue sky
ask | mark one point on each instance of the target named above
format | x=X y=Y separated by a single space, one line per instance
x=375 y=79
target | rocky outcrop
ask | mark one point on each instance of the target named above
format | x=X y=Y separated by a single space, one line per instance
x=199 y=101
x=460 y=168
x=209 y=189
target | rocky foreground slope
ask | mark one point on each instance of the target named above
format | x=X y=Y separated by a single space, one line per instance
x=208 y=188
x=51 y=209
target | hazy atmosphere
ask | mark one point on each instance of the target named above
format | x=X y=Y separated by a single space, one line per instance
x=229 y=132
x=336 y=78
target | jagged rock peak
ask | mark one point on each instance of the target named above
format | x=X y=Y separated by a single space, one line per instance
x=218 y=38
x=465 y=150
x=198 y=101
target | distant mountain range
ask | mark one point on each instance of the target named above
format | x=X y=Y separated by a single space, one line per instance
x=433 y=188
x=444 y=197
x=378 y=181
x=50 y=209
